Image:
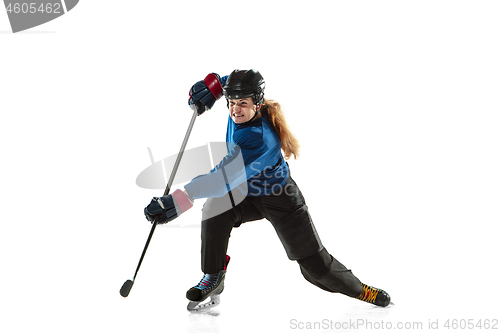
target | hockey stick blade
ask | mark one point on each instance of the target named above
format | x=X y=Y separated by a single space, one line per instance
x=125 y=289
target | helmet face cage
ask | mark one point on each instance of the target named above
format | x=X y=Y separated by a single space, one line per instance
x=245 y=83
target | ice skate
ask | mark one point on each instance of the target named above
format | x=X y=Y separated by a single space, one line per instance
x=210 y=287
x=374 y=296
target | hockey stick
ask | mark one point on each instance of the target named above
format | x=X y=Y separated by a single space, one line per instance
x=127 y=286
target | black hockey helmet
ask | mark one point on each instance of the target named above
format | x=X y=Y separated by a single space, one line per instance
x=245 y=83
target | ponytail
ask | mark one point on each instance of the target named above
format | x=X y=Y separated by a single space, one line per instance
x=289 y=144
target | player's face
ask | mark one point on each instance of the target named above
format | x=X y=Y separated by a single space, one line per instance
x=242 y=110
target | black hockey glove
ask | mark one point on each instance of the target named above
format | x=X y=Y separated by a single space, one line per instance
x=168 y=207
x=204 y=94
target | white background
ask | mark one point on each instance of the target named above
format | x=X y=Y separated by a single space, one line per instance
x=396 y=106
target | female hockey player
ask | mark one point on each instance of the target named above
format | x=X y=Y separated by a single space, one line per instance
x=263 y=188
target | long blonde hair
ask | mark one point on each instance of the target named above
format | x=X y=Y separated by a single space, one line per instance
x=272 y=111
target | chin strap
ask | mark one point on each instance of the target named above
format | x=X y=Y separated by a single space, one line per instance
x=255 y=115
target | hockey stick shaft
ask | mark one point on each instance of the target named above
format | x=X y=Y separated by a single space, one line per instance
x=181 y=152
x=125 y=290
x=169 y=184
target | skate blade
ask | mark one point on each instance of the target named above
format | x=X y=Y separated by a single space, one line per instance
x=206 y=305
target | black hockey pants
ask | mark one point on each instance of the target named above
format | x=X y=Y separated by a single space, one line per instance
x=287 y=211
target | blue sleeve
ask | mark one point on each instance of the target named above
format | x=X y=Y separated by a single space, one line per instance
x=247 y=158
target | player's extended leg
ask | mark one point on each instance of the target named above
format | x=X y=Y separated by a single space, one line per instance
x=326 y=272
x=289 y=215
x=329 y=274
